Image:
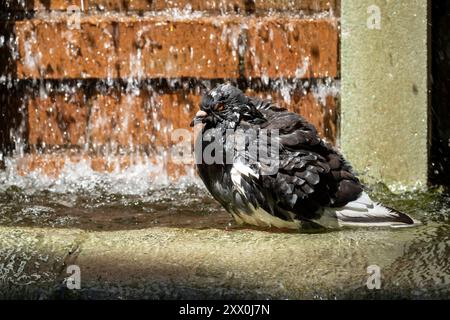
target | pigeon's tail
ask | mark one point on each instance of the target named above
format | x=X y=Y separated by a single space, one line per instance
x=363 y=212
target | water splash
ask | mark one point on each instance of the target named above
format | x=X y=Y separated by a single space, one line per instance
x=75 y=177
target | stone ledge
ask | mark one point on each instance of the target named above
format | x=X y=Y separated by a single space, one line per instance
x=183 y=263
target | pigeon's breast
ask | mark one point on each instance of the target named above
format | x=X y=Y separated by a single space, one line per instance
x=253 y=212
x=261 y=218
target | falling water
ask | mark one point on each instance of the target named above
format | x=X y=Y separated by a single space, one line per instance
x=105 y=153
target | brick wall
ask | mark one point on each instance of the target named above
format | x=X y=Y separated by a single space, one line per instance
x=132 y=70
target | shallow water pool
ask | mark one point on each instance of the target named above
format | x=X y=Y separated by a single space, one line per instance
x=176 y=205
x=148 y=228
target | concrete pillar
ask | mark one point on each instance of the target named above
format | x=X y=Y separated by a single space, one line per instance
x=384 y=106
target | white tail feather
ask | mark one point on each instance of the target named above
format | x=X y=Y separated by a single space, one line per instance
x=363 y=212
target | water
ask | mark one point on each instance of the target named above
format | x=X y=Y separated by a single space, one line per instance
x=180 y=226
x=83 y=198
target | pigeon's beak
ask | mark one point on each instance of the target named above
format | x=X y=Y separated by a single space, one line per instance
x=198 y=118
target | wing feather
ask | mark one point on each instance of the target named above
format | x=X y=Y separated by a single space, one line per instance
x=312 y=174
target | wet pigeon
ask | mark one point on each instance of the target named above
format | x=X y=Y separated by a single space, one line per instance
x=268 y=167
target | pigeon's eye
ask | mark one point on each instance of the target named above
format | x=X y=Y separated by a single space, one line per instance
x=220 y=107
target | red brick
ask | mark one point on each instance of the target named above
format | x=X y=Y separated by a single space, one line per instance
x=136 y=124
x=147 y=48
x=62 y=5
x=214 y=6
x=204 y=47
x=138 y=5
x=111 y=120
x=201 y=5
x=280 y=47
x=295 y=6
x=160 y=5
x=141 y=122
x=118 y=120
x=176 y=112
x=158 y=47
x=57 y=120
x=322 y=116
x=49 y=49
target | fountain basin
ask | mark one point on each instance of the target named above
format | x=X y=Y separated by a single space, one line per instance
x=173 y=263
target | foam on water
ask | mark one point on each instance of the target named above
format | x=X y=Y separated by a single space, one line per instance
x=135 y=179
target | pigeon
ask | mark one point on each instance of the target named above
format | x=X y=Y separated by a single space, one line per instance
x=268 y=167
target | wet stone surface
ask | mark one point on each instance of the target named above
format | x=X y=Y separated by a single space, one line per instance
x=177 y=242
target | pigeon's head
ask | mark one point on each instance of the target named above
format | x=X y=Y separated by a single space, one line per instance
x=225 y=104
